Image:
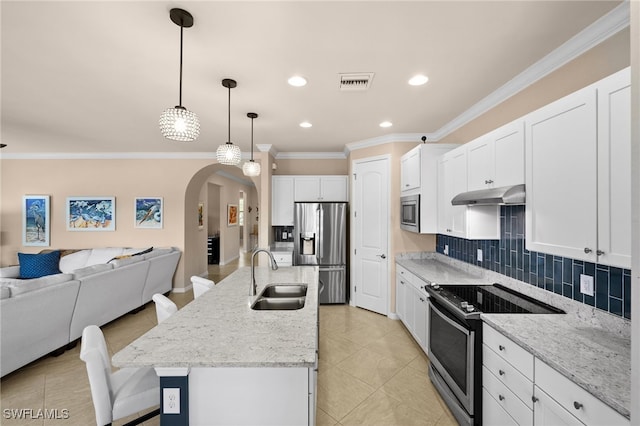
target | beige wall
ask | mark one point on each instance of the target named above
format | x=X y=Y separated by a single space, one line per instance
x=311 y=167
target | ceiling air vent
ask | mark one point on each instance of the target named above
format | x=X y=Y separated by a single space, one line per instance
x=355 y=81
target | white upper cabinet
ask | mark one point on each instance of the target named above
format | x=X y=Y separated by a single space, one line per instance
x=578 y=174
x=470 y=222
x=497 y=158
x=410 y=170
x=321 y=188
x=282 y=200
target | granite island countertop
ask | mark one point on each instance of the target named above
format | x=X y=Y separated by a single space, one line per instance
x=219 y=329
x=597 y=360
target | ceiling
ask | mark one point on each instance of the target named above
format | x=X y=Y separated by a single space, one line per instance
x=94 y=77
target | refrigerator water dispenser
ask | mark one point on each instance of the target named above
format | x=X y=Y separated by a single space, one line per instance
x=308 y=244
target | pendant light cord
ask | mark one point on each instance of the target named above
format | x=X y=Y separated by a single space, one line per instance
x=229 y=117
x=180 y=91
x=252 y=139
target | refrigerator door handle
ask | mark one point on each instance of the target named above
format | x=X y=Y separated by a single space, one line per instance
x=321 y=289
x=319 y=245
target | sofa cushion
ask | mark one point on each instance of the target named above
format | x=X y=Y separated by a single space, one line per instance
x=10 y=271
x=24 y=286
x=103 y=255
x=90 y=270
x=123 y=261
x=39 y=265
x=5 y=291
x=73 y=261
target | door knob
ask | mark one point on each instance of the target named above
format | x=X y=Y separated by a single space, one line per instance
x=587 y=250
x=382 y=256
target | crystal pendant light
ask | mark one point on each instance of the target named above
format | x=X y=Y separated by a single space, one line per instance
x=251 y=168
x=228 y=153
x=178 y=123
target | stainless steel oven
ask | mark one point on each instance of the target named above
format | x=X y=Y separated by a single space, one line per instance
x=410 y=213
x=453 y=347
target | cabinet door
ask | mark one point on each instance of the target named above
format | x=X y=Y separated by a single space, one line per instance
x=420 y=317
x=282 y=201
x=401 y=290
x=334 y=188
x=410 y=170
x=561 y=214
x=493 y=413
x=481 y=165
x=549 y=412
x=508 y=154
x=456 y=174
x=307 y=188
x=614 y=170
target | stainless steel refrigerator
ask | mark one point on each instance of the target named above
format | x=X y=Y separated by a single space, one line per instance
x=320 y=238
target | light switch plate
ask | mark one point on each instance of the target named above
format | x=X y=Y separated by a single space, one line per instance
x=171 y=400
x=586 y=285
x=479 y=255
x=446 y=249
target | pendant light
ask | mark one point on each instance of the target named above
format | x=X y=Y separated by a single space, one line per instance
x=228 y=153
x=251 y=168
x=178 y=123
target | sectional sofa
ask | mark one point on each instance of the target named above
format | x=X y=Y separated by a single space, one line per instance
x=94 y=286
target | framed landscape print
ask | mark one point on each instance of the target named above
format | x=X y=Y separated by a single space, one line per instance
x=91 y=214
x=35 y=220
x=232 y=214
x=148 y=212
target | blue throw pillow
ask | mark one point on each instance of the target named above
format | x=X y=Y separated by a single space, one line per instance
x=39 y=265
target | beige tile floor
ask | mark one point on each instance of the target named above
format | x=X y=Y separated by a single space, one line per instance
x=371 y=372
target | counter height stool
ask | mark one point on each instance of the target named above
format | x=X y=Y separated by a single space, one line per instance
x=164 y=307
x=120 y=394
x=200 y=285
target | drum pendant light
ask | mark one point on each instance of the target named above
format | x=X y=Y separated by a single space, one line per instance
x=251 y=168
x=178 y=123
x=228 y=153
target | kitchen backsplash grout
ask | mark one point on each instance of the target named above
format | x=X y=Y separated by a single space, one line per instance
x=560 y=275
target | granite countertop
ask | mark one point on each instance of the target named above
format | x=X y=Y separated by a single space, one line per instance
x=219 y=329
x=433 y=271
x=597 y=361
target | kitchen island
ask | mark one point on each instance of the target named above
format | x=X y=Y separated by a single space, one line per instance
x=232 y=364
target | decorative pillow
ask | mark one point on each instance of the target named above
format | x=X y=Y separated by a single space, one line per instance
x=103 y=255
x=39 y=265
x=128 y=253
x=124 y=261
x=10 y=271
x=73 y=261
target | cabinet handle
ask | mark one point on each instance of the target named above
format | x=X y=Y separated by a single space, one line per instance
x=501 y=347
x=501 y=372
x=488 y=181
x=587 y=250
x=406 y=184
x=501 y=398
x=421 y=299
x=577 y=405
x=599 y=252
x=534 y=399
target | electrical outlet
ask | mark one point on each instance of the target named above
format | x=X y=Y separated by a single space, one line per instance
x=446 y=249
x=586 y=285
x=479 y=255
x=171 y=400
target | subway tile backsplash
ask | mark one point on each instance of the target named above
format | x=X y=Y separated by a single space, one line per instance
x=561 y=275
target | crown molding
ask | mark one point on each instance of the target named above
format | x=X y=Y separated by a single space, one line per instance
x=394 y=137
x=311 y=156
x=605 y=27
x=111 y=156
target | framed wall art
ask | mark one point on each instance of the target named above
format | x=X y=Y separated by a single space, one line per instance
x=35 y=220
x=91 y=214
x=148 y=212
x=232 y=214
x=200 y=215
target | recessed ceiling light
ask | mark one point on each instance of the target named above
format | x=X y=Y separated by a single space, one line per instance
x=305 y=124
x=386 y=124
x=418 y=80
x=297 y=81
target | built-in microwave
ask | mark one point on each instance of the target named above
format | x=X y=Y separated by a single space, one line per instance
x=410 y=213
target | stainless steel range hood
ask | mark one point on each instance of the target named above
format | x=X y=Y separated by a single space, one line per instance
x=507 y=195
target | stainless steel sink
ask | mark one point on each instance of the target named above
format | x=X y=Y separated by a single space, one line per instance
x=278 y=304
x=284 y=290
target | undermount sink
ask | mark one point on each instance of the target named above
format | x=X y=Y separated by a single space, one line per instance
x=284 y=290
x=278 y=304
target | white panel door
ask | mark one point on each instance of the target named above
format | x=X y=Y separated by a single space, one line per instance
x=370 y=219
x=614 y=170
x=561 y=162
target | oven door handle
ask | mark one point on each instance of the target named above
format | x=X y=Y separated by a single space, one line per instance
x=448 y=320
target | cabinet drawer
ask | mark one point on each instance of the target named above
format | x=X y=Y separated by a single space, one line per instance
x=586 y=407
x=521 y=413
x=410 y=278
x=493 y=413
x=509 y=375
x=508 y=350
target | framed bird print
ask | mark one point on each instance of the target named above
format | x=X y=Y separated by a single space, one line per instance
x=148 y=212
x=91 y=214
x=35 y=220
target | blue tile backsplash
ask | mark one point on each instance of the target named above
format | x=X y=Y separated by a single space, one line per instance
x=561 y=275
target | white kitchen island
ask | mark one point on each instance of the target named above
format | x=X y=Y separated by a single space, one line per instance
x=232 y=365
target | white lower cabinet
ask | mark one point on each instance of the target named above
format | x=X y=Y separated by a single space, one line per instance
x=519 y=388
x=412 y=306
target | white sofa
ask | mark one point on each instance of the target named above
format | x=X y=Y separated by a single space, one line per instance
x=95 y=287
